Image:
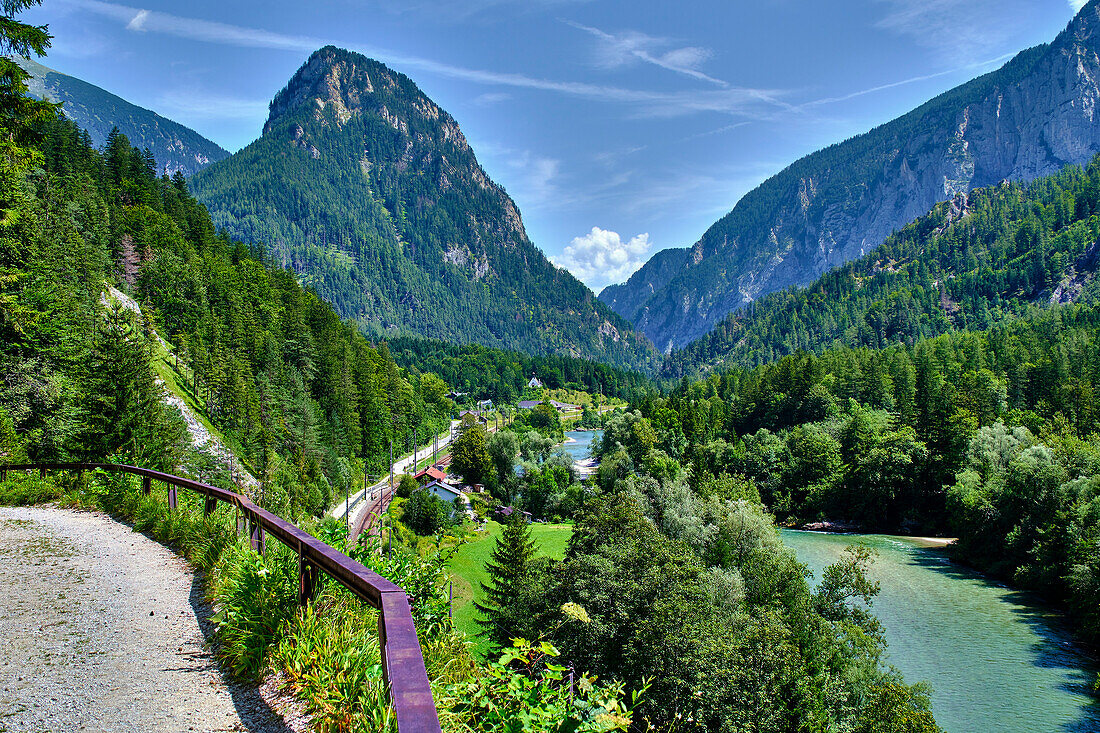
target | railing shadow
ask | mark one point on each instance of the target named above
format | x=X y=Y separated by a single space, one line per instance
x=254 y=712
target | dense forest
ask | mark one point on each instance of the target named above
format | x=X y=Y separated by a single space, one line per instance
x=486 y=373
x=373 y=196
x=990 y=437
x=306 y=401
x=977 y=260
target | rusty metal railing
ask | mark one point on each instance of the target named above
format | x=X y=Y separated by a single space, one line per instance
x=402 y=660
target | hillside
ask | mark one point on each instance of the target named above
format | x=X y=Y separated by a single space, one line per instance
x=984 y=257
x=370 y=192
x=1029 y=118
x=176 y=148
x=626 y=298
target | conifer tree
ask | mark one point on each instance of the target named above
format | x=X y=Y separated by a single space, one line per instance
x=504 y=611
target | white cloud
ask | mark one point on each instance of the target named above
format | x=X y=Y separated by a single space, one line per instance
x=601 y=257
x=1077 y=4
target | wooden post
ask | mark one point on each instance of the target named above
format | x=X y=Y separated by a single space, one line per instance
x=172 y=499
x=307 y=580
x=257 y=536
x=146 y=485
x=210 y=505
x=42 y=472
x=3 y=475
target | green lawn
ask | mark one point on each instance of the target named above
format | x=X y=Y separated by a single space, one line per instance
x=467 y=567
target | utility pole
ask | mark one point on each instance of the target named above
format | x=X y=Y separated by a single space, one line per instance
x=391 y=466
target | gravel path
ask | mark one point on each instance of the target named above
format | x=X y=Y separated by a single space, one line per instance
x=101 y=628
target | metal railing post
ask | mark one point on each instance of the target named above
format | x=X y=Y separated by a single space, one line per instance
x=172 y=499
x=146 y=485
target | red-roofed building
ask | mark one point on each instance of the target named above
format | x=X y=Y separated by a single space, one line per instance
x=431 y=473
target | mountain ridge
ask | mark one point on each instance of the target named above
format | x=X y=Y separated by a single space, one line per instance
x=1027 y=119
x=176 y=147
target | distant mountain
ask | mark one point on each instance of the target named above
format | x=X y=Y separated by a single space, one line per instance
x=369 y=191
x=175 y=147
x=1029 y=118
x=987 y=256
x=627 y=298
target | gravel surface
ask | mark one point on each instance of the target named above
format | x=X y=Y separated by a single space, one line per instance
x=102 y=628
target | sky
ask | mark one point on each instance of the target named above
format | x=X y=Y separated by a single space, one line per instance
x=619 y=128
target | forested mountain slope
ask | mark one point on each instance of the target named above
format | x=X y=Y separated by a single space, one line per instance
x=984 y=257
x=626 y=298
x=175 y=147
x=1030 y=118
x=304 y=398
x=370 y=192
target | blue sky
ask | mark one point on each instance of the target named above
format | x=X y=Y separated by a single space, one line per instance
x=620 y=128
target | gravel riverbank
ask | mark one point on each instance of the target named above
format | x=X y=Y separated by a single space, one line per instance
x=101 y=628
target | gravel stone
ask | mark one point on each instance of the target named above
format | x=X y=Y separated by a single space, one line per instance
x=104 y=629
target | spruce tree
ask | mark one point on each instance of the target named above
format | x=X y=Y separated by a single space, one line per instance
x=504 y=611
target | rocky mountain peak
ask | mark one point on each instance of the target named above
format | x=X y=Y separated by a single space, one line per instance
x=1083 y=30
x=349 y=83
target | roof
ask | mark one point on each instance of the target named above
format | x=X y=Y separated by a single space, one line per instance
x=529 y=404
x=433 y=473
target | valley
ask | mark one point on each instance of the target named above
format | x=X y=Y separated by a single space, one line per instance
x=461 y=492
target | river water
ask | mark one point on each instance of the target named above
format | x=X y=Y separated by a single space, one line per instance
x=577 y=448
x=997 y=659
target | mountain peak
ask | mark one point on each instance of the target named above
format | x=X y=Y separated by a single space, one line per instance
x=1084 y=29
x=348 y=83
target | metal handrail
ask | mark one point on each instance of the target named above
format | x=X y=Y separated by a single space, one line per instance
x=402 y=659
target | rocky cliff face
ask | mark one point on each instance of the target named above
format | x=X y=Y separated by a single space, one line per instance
x=372 y=194
x=1030 y=118
x=175 y=147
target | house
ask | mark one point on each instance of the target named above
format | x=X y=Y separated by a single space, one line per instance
x=469 y=417
x=484 y=404
x=446 y=492
x=431 y=473
x=559 y=406
x=506 y=512
x=534 y=382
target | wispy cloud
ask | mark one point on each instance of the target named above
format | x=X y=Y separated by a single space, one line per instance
x=729 y=100
x=911 y=80
x=958 y=30
x=1077 y=4
x=633 y=46
x=491 y=98
x=601 y=257
x=198 y=104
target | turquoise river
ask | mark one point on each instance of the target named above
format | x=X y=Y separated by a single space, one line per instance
x=997 y=659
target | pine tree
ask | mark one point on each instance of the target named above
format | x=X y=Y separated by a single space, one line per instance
x=504 y=611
